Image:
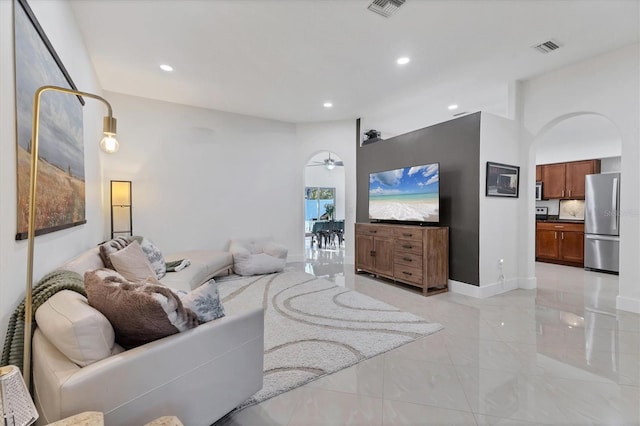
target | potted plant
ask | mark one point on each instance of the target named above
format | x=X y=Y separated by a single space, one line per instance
x=329 y=210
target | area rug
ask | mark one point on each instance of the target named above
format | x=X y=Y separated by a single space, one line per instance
x=314 y=328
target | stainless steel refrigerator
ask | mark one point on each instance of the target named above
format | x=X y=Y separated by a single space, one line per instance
x=602 y=222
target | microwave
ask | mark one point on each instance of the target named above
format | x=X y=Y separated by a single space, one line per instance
x=538 y=190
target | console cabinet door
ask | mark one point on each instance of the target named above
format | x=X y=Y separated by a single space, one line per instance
x=383 y=249
x=364 y=252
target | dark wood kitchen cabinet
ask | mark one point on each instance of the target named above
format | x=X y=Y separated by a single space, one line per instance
x=566 y=180
x=560 y=242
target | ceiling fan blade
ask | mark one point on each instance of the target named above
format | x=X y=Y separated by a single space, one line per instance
x=339 y=163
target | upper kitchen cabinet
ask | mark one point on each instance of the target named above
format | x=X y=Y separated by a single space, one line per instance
x=553 y=180
x=574 y=177
x=566 y=180
x=538 y=173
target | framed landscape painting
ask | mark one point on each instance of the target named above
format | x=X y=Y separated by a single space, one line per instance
x=60 y=196
x=503 y=180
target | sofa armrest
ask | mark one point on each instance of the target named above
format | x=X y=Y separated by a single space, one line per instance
x=198 y=375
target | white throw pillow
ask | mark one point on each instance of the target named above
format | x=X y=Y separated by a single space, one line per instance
x=132 y=263
x=204 y=301
x=76 y=329
x=257 y=264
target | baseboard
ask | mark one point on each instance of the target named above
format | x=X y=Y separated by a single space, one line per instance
x=464 y=289
x=530 y=283
x=484 y=291
x=628 y=304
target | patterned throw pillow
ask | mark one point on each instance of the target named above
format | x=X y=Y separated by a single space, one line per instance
x=110 y=247
x=155 y=256
x=204 y=301
x=139 y=312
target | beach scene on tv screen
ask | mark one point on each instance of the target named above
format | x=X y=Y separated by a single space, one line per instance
x=407 y=194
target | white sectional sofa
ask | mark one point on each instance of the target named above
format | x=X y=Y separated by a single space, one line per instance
x=198 y=375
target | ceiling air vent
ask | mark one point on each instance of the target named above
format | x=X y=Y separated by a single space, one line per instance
x=547 y=46
x=385 y=8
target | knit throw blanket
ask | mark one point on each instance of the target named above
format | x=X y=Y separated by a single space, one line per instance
x=50 y=284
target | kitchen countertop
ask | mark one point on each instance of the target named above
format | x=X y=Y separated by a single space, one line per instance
x=560 y=220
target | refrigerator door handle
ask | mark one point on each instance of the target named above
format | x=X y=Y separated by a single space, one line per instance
x=614 y=203
x=601 y=237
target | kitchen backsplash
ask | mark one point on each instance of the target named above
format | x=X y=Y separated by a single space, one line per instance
x=552 y=205
x=571 y=209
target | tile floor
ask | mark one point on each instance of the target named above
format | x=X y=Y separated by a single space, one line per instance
x=558 y=355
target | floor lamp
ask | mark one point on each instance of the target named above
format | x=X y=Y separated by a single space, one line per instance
x=108 y=144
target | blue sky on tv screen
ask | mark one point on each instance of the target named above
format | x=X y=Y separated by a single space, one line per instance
x=405 y=181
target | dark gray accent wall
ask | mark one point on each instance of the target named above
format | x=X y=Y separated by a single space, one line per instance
x=455 y=144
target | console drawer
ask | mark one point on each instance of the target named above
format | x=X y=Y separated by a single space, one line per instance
x=408 y=246
x=408 y=234
x=374 y=230
x=408 y=259
x=408 y=274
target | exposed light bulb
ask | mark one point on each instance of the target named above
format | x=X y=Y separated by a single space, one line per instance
x=330 y=164
x=403 y=61
x=165 y=67
x=452 y=107
x=327 y=104
x=109 y=144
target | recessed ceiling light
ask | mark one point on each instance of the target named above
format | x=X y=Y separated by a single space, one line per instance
x=165 y=67
x=403 y=61
x=452 y=107
x=327 y=104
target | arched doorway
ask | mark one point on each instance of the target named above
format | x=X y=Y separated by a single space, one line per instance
x=324 y=209
x=573 y=137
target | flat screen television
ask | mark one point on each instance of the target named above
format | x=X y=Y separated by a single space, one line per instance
x=410 y=194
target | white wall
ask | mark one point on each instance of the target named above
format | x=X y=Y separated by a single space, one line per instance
x=338 y=137
x=201 y=177
x=52 y=249
x=583 y=137
x=499 y=219
x=610 y=165
x=607 y=85
x=320 y=176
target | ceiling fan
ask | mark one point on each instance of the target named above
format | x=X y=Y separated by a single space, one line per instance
x=329 y=163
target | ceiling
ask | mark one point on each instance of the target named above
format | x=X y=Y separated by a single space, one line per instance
x=282 y=59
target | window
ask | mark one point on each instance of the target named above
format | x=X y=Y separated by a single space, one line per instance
x=315 y=201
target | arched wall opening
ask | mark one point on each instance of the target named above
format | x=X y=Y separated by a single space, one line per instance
x=324 y=184
x=574 y=136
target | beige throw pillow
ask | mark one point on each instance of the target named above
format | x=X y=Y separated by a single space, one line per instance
x=132 y=263
x=76 y=329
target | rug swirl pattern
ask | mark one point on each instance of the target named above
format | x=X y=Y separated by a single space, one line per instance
x=314 y=328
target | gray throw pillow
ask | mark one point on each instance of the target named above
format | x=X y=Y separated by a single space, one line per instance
x=204 y=301
x=110 y=247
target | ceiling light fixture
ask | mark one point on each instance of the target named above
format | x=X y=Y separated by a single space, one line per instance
x=327 y=104
x=165 y=67
x=452 y=107
x=403 y=61
x=330 y=163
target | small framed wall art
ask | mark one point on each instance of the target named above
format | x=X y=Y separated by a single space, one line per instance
x=503 y=180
